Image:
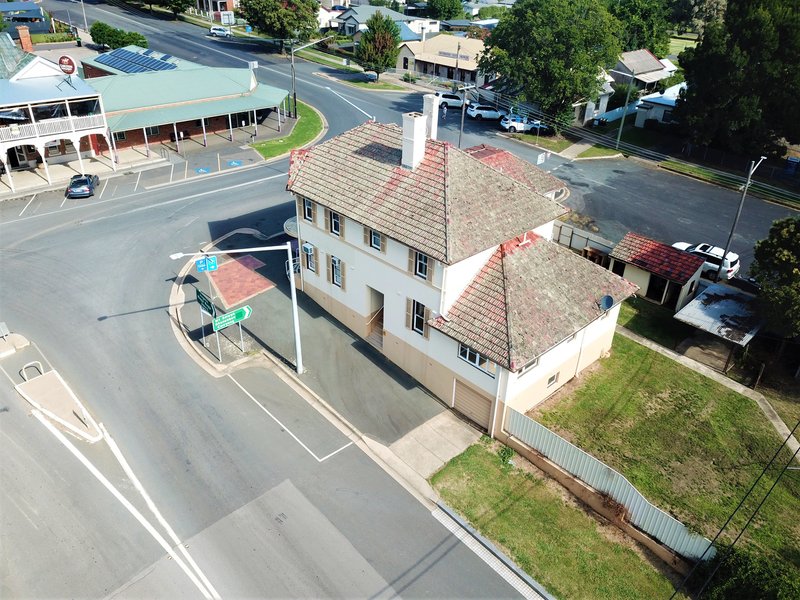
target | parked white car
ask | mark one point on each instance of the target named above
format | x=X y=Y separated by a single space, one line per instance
x=713 y=257
x=515 y=123
x=483 y=111
x=218 y=31
x=450 y=100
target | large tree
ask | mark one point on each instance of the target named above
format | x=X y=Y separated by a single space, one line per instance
x=282 y=19
x=643 y=24
x=776 y=267
x=175 y=6
x=743 y=79
x=445 y=10
x=553 y=51
x=694 y=14
x=380 y=44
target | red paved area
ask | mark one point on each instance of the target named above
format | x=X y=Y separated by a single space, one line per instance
x=236 y=280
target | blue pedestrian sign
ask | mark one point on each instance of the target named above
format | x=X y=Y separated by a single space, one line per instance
x=207 y=263
x=234 y=163
x=202 y=170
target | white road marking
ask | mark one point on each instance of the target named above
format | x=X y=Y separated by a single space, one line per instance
x=285 y=428
x=124 y=501
x=490 y=559
x=154 y=509
x=105 y=185
x=369 y=116
x=138 y=24
x=142 y=193
x=63 y=201
x=27 y=205
x=138 y=177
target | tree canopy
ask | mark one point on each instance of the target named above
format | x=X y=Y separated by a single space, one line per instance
x=445 y=10
x=379 y=45
x=553 y=51
x=105 y=35
x=643 y=24
x=282 y=19
x=176 y=6
x=776 y=268
x=743 y=79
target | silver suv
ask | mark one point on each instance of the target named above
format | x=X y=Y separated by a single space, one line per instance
x=713 y=257
x=449 y=99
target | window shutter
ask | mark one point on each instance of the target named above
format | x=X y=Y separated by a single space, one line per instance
x=299 y=208
x=328 y=267
x=327 y=220
x=409 y=316
x=429 y=272
x=367 y=236
x=341 y=225
x=411 y=257
x=425 y=329
x=316 y=259
x=314 y=212
x=343 y=271
x=383 y=243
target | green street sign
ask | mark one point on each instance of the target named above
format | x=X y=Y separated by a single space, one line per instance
x=206 y=305
x=231 y=318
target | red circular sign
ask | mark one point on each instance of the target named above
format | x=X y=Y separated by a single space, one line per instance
x=67 y=64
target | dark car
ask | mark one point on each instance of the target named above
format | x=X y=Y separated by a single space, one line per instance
x=82 y=186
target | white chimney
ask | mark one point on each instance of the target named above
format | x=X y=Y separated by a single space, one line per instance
x=413 y=139
x=431 y=112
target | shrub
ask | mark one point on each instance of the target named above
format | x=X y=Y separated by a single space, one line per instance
x=505 y=453
x=409 y=78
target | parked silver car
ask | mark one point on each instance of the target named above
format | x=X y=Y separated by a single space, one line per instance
x=713 y=257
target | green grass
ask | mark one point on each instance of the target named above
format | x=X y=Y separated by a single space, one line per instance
x=692 y=446
x=325 y=59
x=554 y=144
x=49 y=38
x=378 y=85
x=654 y=322
x=557 y=544
x=679 y=44
x=598 y=152
x=307 y=128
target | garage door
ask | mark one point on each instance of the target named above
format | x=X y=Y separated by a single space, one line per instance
x=473 y=405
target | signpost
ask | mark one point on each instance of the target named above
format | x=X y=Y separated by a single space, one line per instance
x=231 y=318
x=207 y=263
x=67 y=64
x=206 y=305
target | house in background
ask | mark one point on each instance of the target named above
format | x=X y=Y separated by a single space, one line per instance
x=665 y=275
x=25 y=14
x=642 y=68
x=444 y=56
x=353 y=22
x=444 y=264
x=659 y=106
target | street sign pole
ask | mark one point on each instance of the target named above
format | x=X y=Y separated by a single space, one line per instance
x=219 y=349
x=241 y=338
x=202 y=326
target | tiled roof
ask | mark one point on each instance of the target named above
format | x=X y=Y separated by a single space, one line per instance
x=513 y=166
x=450 y=207
x=530 y=295
x=657 y=258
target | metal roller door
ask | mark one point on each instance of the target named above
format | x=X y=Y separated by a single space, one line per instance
x=472 y=404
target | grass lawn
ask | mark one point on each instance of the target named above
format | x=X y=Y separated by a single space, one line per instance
x=690 y=445
x=598 y=152
x=654 y=322
x=378 y=85
x=554 y=144
x=679 y=44
x=307 y=128
x=556 y=543
x=325 y=59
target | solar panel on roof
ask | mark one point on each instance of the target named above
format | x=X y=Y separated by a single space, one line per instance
x=147 y=52
x=166 y=57
x=132 y=62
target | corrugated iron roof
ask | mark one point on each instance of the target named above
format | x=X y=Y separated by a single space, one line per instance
x=451 y=207
x=657 y=258
x=531 y=295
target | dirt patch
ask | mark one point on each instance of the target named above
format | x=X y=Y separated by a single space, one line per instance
x=583 y=221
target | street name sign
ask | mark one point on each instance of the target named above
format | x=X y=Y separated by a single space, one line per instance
x=207 y=263
x=231 y=318
x=206 y=305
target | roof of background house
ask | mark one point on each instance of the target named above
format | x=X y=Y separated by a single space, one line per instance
x=20 y=6
x=640 y=61
x=407 y=34
x=141 y=100
x=513 y=166
x=668 y=98
x=451 y=207
x=657 y=258
x=531 y=295
x=12 y=58
x=442 y=50
x=361 y=14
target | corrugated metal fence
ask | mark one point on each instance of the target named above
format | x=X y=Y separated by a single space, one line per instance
x=653 y=521
x=578 y=239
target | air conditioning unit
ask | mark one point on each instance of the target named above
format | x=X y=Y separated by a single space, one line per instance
x=308 y=249
x=336 y=261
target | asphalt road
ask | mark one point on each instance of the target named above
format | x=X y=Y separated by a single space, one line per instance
x=260 y=515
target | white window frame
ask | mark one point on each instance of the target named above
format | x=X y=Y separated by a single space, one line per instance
x=475 y=358
x=527 y=367
x=119 y=136
x=152 y=130
x=311 y=263
x=421 y=264
x=553 y=380
x=335 y=224
x=336 y=271
x=308 y=210
x=418 y=312
x=375 y=240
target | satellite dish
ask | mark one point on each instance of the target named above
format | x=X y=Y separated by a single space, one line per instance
x=606 y=302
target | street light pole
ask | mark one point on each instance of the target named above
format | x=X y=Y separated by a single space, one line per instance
x=85 y=22
x=294 y=86
x=625 y=109
x=753 y=167
x=464 y=89
x=295 y=316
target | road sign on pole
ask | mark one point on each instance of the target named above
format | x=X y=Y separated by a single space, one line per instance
x=207 y=263
x=231 y=318
x=206 y=305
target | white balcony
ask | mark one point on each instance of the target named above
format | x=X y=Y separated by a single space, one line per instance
x=49 y=127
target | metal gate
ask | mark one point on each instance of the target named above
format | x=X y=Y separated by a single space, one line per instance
x=472 y=404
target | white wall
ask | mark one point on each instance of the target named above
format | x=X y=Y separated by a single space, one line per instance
x=429 y=25
x=444 y=350
x=459 y=275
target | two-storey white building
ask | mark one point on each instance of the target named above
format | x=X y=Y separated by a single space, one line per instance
x=445 y=265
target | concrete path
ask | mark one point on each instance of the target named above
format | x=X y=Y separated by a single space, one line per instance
x=575 y=149
x=763 y=404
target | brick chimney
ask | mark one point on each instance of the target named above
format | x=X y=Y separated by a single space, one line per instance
x=25 y=38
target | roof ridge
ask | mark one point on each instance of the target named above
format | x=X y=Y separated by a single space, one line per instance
x=509 y=341
x=447 y=221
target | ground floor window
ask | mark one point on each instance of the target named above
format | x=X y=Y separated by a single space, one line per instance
x=119 y=136
x=151 y=130
x=553 y=380
x=476 y=360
